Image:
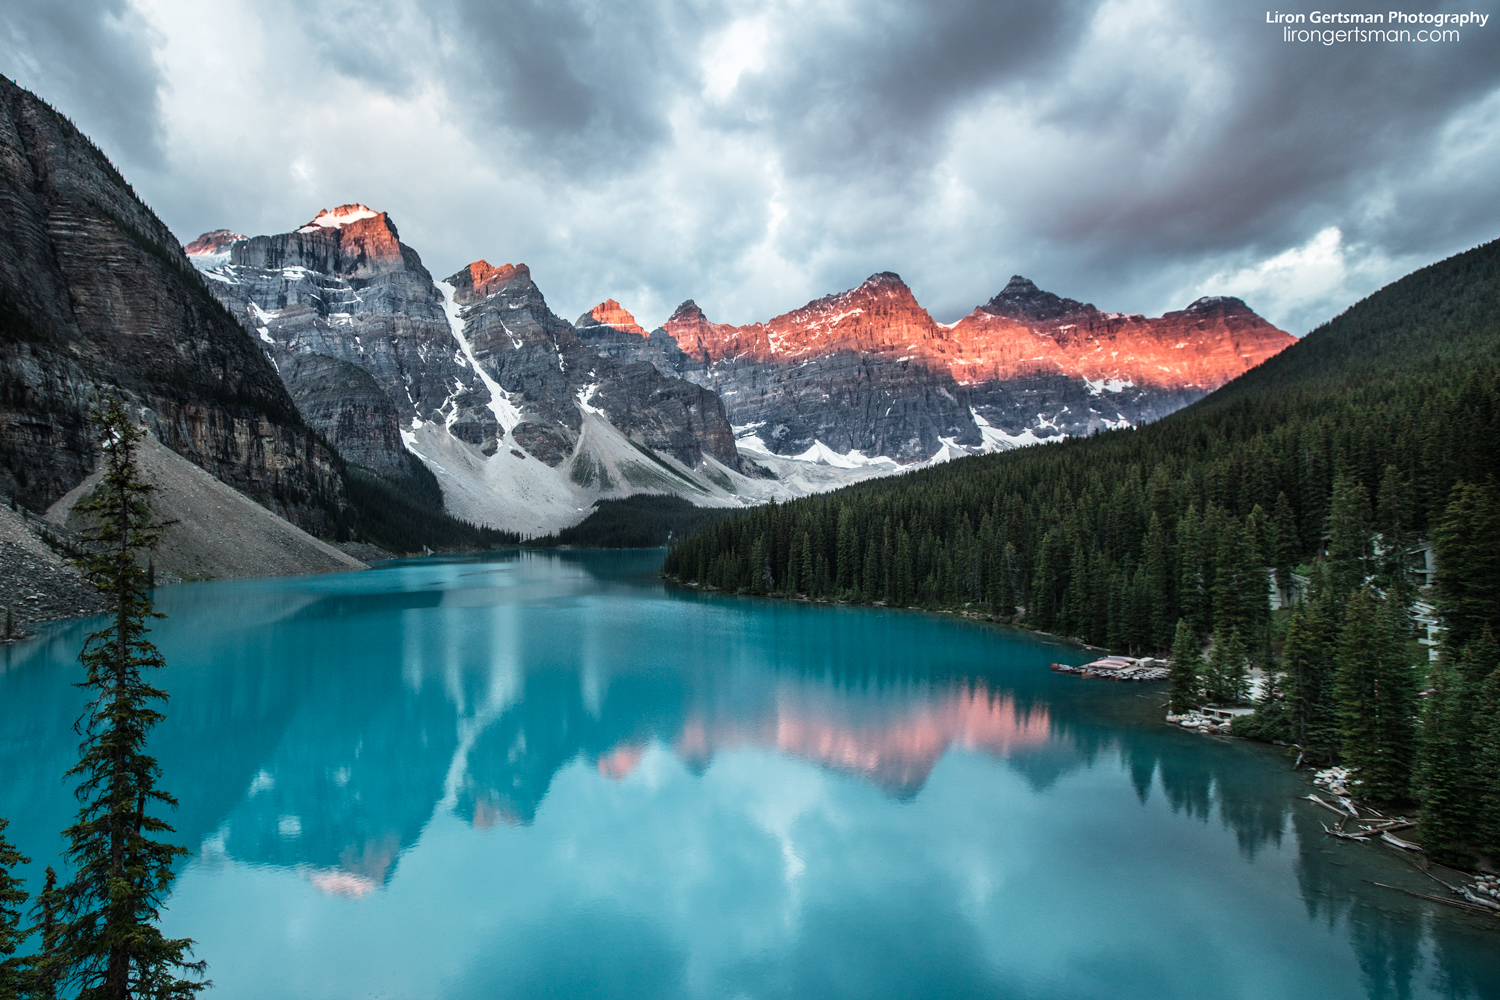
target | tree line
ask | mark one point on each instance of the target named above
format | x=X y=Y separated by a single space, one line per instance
x=1337 y=456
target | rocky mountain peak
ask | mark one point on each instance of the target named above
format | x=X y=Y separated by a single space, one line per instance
x=214 y=242
x=1218 y=304
x=334 y=218
x=688 y=312
x=610 y=313
x=484 y=279
x=1022 y=300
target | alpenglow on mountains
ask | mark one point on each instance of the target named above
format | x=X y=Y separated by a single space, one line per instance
x=868 y=373
x=527 y=419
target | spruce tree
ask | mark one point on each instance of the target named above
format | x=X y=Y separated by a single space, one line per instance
x=110 y=940
x=1487 y=763
x=1187 y=666
x=1283 y=544
x=1376 y=691
x=1467 y=546
x=13 y=973
x=1348 y=526
x=1308 y=687
x=49 y=965
x=1226 y=682
x=1445 y=767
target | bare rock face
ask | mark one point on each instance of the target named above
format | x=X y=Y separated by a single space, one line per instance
x=852 y=371
x=350 y=409
x=97 y=295
x=344 y=286
x=551 y=371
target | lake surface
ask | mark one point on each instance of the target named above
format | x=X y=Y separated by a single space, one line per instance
x=550 y=775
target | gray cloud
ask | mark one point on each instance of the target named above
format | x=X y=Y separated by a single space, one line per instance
x=755 y=155
x=91 y=59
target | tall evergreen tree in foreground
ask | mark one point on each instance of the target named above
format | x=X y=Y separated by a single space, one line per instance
x=12 y=899
x=109 y=939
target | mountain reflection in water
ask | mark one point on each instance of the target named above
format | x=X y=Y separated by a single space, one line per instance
x=338 y=728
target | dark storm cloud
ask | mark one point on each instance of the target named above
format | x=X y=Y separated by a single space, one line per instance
x=754 y=155
x=874 y=91
x=92 y=60
x=584 y=86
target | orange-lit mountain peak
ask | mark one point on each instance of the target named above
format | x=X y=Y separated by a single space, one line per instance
x=335 y=218
x=486 y=278
x=611 y=313
x=1021 y=331
x=212 y=242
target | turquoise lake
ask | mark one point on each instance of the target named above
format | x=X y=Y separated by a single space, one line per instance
x=550 y=775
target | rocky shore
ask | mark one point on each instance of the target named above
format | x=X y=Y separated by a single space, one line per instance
x=37 y=584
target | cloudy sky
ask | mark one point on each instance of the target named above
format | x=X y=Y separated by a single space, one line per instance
x=1132 y=153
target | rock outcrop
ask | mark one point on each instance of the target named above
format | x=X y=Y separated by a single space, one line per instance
x=96 y=295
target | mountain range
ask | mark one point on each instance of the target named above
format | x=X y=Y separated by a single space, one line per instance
x=296 y=366
x=527 y=419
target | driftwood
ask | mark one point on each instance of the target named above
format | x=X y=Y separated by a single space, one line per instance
x=1388 y=825
x=1346 y=836
x=1480 y=900
x=1405 y=845
x=1348 y=805
x=1298 y=765
x=1324 y=803
x=1436 y=899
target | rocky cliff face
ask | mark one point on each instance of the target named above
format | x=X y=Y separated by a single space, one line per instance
x=345 y=287
x=96 y=295
x=524 y=421
x=552 y=376
x=869 y=371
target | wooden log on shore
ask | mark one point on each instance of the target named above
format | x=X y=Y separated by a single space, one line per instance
x=1324 y=803
x=1405 y=845
x=1388 y=825
x=1480 y=900
x=1436 y=899
x=1345 y=836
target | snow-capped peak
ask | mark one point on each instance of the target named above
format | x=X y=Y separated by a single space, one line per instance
x=332 y=218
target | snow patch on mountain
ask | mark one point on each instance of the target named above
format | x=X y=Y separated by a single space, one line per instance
x=332 y=218
x=505 y=411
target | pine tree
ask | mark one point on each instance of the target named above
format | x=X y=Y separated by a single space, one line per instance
x=1487 y=763
x=1376 y=691
x=1187 y=665
x=1225 y=679
x=1308 y=687
x=13 y=975
x=1284 y=546
x=110 y=939
x=1349 y=552
x=1445 y=767
x=48 y=966
x=1467 y=546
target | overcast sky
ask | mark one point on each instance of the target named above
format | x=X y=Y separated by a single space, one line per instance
x=752 y=156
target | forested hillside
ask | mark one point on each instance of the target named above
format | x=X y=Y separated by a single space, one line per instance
x=1115 y=537
x=1379 y=430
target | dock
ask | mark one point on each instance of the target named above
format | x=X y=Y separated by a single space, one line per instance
x=1117 y=668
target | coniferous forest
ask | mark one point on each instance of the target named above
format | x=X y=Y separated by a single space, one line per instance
x=1315 y=477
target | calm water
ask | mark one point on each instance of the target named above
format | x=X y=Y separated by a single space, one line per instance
x=548 y=775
